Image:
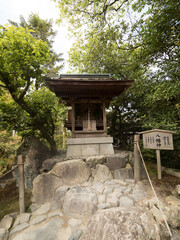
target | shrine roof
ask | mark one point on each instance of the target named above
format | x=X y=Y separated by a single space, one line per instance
x=73 y=85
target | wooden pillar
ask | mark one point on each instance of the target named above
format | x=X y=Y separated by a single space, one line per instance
x=21 y=184
x=73 y=117
x=104 y=115
x=64 y=136
x=89 y=119
x=136 y=159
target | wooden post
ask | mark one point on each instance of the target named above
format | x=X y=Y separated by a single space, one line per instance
x=137 y=167
x=89 y=119
x=64 y=136
x=21 y=184
x=159 y=164
x=73 y=117
x=104 y=116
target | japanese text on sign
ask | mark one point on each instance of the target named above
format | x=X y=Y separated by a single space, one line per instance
x=158 y=140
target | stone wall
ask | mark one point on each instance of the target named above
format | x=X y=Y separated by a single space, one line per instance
x=78 y=171
x=86 y=199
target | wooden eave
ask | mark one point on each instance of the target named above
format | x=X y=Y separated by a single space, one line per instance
x=83 y=87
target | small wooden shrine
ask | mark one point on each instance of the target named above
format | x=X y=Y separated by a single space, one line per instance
x=88 y=95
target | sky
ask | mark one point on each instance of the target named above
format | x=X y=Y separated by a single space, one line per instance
x=12 y=9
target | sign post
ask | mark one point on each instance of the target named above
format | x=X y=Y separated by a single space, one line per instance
x=159 y=140
x=159 y=163
x=137 y=159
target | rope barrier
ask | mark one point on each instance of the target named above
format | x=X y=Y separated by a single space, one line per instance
x=158 y=202
x=8 y=171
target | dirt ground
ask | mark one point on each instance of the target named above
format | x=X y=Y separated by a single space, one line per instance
x=164 y=187
x=9 y=197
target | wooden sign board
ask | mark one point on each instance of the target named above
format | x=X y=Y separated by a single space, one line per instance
x=158 y=139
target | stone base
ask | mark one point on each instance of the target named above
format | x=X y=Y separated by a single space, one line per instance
x=83 y=147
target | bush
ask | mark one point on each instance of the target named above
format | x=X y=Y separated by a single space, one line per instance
x=8 y=147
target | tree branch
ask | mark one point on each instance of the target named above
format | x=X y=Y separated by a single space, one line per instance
x=109 y=5
x=3 y=86
x=25 y=89
x=117 y=9
x=130 y=48
x=105 y=8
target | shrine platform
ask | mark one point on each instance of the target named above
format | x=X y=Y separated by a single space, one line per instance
x=92 y=146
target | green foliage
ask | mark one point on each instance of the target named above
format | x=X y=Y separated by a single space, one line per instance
x=48 y=110
x=21 y=57
x=170 y=159
x=8 y=147
x=91 y=13
x=102 y=53
x=43 y=101
x=50 y=113
x=43 y=29
x=136 y=40
x=34 y=111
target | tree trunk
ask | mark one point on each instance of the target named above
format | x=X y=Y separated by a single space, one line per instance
x=53 y=146
x=39 y=125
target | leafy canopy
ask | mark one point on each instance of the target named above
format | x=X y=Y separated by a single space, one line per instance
x=21 y=58
x=130 y=39
x=43 y=29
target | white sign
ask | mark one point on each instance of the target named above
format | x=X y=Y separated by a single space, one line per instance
x=158 y=139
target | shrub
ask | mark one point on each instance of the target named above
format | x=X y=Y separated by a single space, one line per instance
x=8 y=147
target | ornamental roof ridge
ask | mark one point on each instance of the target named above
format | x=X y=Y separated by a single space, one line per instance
x=85 y=75
x=90 y=77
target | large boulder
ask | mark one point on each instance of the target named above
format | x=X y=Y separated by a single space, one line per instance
x=59 y=197
x=22 y=218
x=64 y=173
x=80 y=202
x=172 y=211
x=34 y=153
x=4 y=234
x=121 y=223
x=173 y=215
x=178 y=189
x=44 y=187
x=50 y=162
x=172 y=200
x=102 y=174
x=94 y=160
x=76 y=234
x=72 y=172
x=123 y=173
x=6 y=222
x=48 y=231
x=116 y=162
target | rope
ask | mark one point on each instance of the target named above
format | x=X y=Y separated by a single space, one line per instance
x=8 y=171
x=158 y=202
